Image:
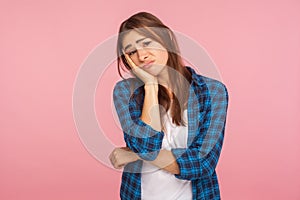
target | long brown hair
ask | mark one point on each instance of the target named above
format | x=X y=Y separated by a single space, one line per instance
x=150 y=26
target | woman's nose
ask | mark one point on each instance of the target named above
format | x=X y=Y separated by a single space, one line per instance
x=142 y=54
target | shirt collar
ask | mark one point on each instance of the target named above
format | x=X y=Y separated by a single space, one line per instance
x=196 y=78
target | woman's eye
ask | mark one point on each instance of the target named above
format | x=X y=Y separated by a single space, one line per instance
x=146 y=43
x=131 y=52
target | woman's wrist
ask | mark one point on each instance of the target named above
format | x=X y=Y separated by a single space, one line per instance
x=151 y=86
x=135 y=156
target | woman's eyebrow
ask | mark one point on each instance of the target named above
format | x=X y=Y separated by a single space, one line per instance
x=129 y=45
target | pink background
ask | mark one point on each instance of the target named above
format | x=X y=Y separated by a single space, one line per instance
x=255 y=45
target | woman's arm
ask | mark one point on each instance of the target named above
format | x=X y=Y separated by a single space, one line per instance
x=151 y=116
x=165 y=159
x=201 y=157
x=150 y=113
x=139 y=136
x=141 y=127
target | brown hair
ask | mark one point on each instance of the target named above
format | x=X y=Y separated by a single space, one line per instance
x=150 y=26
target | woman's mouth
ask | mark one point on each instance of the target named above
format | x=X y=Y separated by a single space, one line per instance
x=149 y=64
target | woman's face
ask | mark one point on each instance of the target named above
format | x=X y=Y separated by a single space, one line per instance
x=145 y=52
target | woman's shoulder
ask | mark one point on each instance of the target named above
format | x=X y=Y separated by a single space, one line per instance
x=211 y=83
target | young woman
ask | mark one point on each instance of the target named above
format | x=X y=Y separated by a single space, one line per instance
x=173 y=119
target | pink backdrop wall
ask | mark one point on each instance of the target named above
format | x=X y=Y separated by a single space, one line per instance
x=255 y=45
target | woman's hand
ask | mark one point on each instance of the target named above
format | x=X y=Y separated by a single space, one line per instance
x=121 y=156
x=151 y=110
x=140 y=73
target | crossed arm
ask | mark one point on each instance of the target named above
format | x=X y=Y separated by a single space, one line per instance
x=150 y=116
x=165 y=159
x=144 y=142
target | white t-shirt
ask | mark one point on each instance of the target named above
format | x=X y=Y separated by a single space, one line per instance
x=158 y=184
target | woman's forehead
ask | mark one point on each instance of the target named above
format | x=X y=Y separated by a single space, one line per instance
x=132 y=37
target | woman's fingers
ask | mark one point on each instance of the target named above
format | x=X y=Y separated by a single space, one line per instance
x=142 y=74
x=115 y=159
x=130 y=62
x=121 y=156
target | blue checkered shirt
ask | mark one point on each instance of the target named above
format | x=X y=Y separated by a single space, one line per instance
x=207 y=110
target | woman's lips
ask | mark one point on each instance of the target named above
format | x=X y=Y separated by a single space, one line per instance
x=149 y=64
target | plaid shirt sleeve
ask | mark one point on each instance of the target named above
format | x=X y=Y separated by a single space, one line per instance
x=140 y=137
x=201 y=157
